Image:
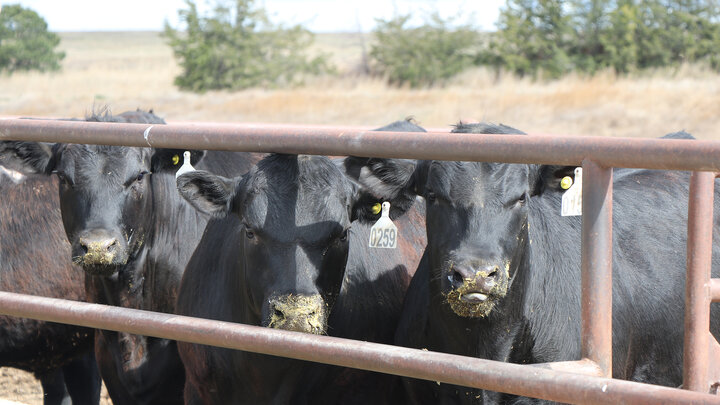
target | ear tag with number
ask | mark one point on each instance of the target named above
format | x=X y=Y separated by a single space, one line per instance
x=384 y=233
x=572 y=198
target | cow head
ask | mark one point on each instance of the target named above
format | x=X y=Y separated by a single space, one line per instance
x=106 y=197
x=105 y=192
x=477 y=218
x=295 y=213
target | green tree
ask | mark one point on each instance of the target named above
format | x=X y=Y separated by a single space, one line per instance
x=589 y=20
x=25 y=43
x=590 y=35
x=422 y=56
x=237 y=47
x=533 y=37
x=619 y=39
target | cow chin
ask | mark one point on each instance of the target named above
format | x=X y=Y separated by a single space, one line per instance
x=299 y=313
x=475 y=308
x=104 y=270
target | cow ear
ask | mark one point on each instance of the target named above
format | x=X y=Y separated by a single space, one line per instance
x=392 y=180
x=167 y=159
x=550 y=178
x=207 y=192
x=28 y=157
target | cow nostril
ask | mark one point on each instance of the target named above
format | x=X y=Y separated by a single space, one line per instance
x=113 y=245
x=493 y=272
x=457 y=278
x=278 y=314
x=83 y=248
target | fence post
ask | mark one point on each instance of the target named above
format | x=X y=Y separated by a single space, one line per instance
x=597 y=193
x=697 y=284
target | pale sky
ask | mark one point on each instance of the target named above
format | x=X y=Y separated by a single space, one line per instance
x=316 y=15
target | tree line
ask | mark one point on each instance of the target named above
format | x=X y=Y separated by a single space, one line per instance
x=237 y=46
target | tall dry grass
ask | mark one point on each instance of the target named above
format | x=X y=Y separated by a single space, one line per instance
x=130 y=70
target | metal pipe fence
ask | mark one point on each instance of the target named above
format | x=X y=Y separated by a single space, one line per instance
x=565 y=381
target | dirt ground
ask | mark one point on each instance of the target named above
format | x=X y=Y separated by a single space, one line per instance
x=20 y=387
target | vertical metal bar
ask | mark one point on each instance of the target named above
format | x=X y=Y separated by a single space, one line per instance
x=697 y=283
x=715 y=290
x=597 y=265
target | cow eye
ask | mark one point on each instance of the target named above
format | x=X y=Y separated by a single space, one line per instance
x=520 y=200
x=344 y=235
x=249 y=233
x=63 y=178
x=430 y=197
x=136 y=179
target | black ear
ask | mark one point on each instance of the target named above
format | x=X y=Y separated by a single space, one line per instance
x=207 y=192
x=172 y=159
x=391 y=180
x=549 y=177
x=27 y=157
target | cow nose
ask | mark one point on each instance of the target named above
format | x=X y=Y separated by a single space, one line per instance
x=98 y=247
x=478 y=277
x=298 y=313
x=103 y=245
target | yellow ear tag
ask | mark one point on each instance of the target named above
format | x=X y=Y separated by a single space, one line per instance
x=376 y=208
x=566 y=182
x=176 y=160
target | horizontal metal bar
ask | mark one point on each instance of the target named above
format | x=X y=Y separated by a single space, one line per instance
x=675 y=154
x=715 y=289
x=446 y=368
x=585 y=366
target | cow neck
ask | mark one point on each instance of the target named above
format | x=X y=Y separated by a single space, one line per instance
x=125 y=288
x=174 y=231
x=552 y=285
x=242 y=305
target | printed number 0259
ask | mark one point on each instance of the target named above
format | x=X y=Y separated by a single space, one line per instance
x=383 y=238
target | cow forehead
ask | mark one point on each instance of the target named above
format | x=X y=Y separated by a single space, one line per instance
x=477 y=182
x=286 y=194
x=102 y=161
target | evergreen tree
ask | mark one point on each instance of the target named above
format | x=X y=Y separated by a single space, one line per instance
x=425 y=55
x=533 y=36
x=25 y=43
x=589 y=35
x=238 y=47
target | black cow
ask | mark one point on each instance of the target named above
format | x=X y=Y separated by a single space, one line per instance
x=500 y=278
x=279 y=261
x=31 y=241
x=130 y=230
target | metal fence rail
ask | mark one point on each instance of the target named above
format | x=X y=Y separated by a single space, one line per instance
x=597 y=156
x=671 y=154
x=534 y=381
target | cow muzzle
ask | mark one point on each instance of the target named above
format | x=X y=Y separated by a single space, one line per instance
x=100 y=252
x=299 y=313
x=475 y=289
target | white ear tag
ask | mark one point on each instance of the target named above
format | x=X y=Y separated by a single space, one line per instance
x=186 y=166
x=572 y=198
x=384 y=233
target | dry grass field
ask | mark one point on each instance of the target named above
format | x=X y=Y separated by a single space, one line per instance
x=130 y=70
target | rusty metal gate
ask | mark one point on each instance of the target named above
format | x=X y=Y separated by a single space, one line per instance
x=585 y=381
